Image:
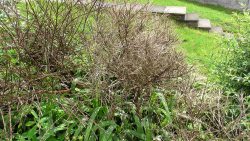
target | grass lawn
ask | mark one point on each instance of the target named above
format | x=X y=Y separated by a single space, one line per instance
x=201 y=48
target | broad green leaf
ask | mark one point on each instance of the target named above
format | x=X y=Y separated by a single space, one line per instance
x=167 y=112
x=138 y=124
x=34 y=114
x=60 y=128
x=108 y=133
x=70 y=129
x=30 y=123
x=78 y=130
x=136 y=134
x=148 y=130
x=20 y=138
x=49 y=133
x=31 y=134
x=103 y=124
x=90 y=124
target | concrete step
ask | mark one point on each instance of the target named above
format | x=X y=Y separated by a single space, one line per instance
x=175 y=10
x=156 y=9
x=204 y=24
x=191 y=17
x=216 y=29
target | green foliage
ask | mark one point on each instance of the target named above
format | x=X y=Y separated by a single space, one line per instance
x=52 y=120
x=41 y=123
x=234 y=72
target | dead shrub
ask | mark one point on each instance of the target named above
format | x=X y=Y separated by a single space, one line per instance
x=133 y=52
x=40 y=43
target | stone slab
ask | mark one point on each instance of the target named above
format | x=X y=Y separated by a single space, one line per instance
x=204 y=23
x=168 y=10
x=191 y=17
x=178 y=10
x=216 y=29
x=156 y=9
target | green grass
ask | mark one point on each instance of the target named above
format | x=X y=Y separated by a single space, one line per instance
x=201 y=48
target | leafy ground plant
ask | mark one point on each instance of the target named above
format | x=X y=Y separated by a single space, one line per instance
x=54 y=119
x=234 y=71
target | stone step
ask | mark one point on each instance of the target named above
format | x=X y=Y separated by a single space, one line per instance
x=204 y=24
x=216 y=29
x=176 y=10
x=191 y=17
x=156 y=9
